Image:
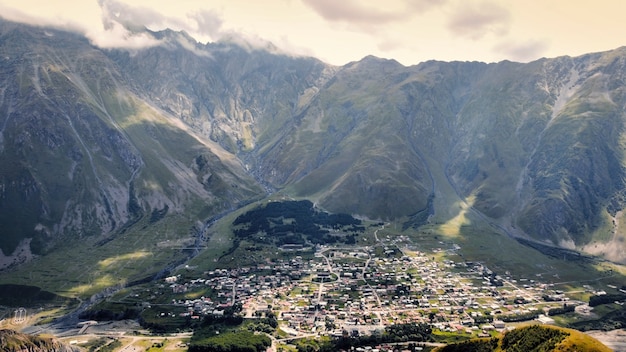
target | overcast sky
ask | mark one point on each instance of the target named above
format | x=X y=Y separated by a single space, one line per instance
x=340 y=31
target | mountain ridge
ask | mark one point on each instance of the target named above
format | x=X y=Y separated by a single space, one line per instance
x=198 y=129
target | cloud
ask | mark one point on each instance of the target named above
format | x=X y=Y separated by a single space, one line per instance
x=88 y=18
x=476 y=20
x=117 y=36
x=208 y=22
x=122 y=23
x=349 y=11
x=387 y=45
x=366 y=16
x=42 y=17
x=129 y=16
x=202 y=22
x=424 y=5
x=523 y=52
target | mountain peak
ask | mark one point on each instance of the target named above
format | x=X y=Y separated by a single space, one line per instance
x=371 y=60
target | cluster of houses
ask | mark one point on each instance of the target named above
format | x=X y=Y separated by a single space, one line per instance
x=362 y=290
x=232 y=286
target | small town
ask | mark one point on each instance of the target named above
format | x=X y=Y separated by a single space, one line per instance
x=340 y=293
x=361 y=290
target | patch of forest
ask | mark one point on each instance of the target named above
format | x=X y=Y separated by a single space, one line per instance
x=13 y=295
x=615 y=319
x=411 y=333
x=296 y=222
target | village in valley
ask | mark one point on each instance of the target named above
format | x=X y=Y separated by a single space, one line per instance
x=338 y=292
x=297 y=275
x=359 y=290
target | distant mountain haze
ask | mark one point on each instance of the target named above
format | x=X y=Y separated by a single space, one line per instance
x=91 y=140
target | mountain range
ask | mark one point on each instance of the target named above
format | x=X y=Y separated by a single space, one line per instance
x=94 y=140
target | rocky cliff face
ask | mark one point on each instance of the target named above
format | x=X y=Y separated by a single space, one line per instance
x=92 y=140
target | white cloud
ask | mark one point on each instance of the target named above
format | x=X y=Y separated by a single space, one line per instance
x=370 y=16
x=117 y=36
x=522 y=51
x=201 y=21
x=351 y=11
x=475 y=20
x=208 y=22
x=51 y=14
x=409 y=31
x=85 y=17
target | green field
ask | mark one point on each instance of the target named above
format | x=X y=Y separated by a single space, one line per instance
x=86 y=266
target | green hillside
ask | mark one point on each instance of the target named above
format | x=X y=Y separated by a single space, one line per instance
x=530 y=339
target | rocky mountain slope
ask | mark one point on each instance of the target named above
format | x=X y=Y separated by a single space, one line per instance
x=92 y=140
x=85 y=154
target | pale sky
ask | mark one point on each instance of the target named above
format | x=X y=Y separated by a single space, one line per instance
x=340 y=31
